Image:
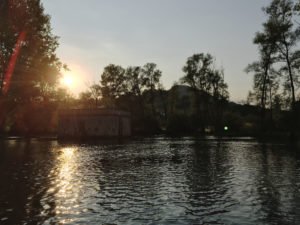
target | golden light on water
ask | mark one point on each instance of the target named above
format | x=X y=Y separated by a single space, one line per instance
x=67 y=186
x=70 y=185
x=66 y=172
x=67 y=152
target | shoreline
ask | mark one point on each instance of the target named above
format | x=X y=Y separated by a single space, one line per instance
x=226 y=137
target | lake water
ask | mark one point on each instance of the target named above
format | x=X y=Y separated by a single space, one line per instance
x=158 y=180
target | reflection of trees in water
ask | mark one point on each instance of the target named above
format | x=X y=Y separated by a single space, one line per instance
x=268 y=197
x=208 y=175
x=242 y=180
x=23 y=180
x=130 y=181
x=277 y=184
x=262 y=182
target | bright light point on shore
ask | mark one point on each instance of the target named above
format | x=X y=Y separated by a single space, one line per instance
x=225 y=128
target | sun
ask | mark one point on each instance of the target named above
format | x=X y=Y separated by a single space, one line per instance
x=67 y=80
x=74 y=78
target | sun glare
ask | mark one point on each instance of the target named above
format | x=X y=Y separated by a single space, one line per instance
x=67 y=80
x=74 y=79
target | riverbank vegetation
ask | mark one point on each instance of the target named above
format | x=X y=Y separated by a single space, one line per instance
x=199 y=102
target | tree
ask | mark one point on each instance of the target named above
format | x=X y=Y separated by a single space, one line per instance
x=263 y=79
x=112 y=84
x=280 y=29
x=135 y=85
x=205 y=81
x=151 y=79
x=95 y=94
x=219 y=92
x=37 y=67
x=196 y=72
x=85 y=99
x=29 y=67
x=219 y=89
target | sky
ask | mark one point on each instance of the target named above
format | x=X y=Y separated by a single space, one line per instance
x=95 y=33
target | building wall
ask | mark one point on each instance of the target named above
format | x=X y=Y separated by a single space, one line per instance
x=93 y=125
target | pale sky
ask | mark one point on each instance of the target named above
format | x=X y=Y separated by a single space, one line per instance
x=95 y=33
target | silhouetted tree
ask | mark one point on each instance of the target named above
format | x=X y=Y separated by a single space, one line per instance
x=277 y=44
x=280 y=28
x=85 y=99
x=37 y=68
x=32 y=90
x=220 y=95
x=112 y=84
x=264 y=76
x=205 y=81
x=95 y=94
x=151 y=78
x=135 y=85
x=196 y=72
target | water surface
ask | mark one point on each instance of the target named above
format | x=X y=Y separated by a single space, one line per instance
x=157 y=180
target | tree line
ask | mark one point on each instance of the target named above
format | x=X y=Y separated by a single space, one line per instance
x=138 y=89
x=196 y=103
x=276 y=72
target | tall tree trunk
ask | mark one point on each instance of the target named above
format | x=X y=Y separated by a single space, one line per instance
x=198 y=108
x=294 y=113
x=271 y=105
x=291 y=83
x=152 y=102
x=142 y=108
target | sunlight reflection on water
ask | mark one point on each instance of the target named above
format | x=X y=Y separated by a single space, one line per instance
x=153 y=180
x=68 y=188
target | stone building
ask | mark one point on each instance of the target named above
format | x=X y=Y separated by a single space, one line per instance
x=87 y=123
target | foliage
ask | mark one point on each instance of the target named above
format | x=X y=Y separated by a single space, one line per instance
x=34 y=79
x=278 y=66
x=112 y=84
x=280 y=29
x=150 y=79
x=37 y=68
x=209 y=87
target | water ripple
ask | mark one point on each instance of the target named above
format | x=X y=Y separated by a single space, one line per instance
x=149 y=181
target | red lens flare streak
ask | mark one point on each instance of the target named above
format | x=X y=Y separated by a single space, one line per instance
x=12 y=62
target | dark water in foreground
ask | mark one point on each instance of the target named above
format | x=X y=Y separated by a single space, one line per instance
x=149 y=181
